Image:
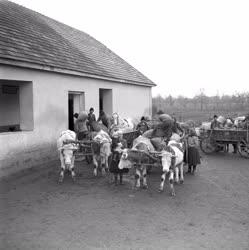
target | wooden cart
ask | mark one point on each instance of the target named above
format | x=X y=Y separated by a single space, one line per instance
x=213 y=140
x=85 y=150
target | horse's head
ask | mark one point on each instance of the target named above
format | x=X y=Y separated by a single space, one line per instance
x=167 y=158
x=68 y=152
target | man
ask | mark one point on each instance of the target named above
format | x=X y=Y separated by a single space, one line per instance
x=80 y=125
x=142 y=126
x=91 y=119
x=215 y=123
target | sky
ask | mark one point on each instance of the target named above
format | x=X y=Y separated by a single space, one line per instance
x=184 y=46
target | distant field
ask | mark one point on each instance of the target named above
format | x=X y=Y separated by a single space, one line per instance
x=200 y=116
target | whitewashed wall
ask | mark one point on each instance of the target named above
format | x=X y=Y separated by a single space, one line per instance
x=20 y=150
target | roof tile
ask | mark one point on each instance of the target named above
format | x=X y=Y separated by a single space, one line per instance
x=28 y=36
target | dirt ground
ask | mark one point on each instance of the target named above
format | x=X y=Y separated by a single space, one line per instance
x=210 y=210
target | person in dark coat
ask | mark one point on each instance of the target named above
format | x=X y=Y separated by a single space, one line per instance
x=192 y=156
x=142 y=126
x=215 y=123
x=118 y=143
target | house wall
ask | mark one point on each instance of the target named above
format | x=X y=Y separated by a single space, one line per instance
x=19 y=150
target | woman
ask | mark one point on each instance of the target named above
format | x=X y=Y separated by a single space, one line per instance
x=118 y=143
x=192 y=156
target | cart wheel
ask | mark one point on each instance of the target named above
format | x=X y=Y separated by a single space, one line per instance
x=206 y=146
x=243 y=149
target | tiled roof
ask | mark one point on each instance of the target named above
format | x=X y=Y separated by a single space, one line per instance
x=27 y=36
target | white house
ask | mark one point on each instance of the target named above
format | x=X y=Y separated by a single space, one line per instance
x=48 y=71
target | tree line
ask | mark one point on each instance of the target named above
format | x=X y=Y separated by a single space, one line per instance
x=232 y=105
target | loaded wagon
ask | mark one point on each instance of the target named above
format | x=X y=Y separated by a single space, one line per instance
x=212 y=140
x=85 y=149
x=143 y=158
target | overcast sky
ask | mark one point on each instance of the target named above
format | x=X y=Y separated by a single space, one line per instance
x=181 y=45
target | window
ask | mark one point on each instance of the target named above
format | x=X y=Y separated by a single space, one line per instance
x=16 y=106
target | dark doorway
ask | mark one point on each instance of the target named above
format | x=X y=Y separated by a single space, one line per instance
x=100 y=102
x=70 y=112
x=105 y=100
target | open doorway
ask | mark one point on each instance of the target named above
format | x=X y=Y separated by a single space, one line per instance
x=105 y=101
x=76 y=103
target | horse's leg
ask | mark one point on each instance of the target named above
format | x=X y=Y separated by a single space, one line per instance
x=144 y=173
x=72 y=169
x=181 y=173
x=95 y=164
x=61 y=177
x=103 y=165
x=171 y=182
x=163 y=176
x=137 y=176
x=177 y=174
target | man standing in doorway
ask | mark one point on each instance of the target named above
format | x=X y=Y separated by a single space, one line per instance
x=91 y=119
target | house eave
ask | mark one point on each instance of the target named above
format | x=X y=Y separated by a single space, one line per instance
x=69 y=72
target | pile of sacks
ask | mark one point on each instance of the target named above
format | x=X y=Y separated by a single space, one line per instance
x=228 y=123
x=102 y=137
x=66 y=136
x=121 y=125
x=161 y=130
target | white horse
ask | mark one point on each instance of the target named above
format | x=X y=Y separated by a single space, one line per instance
x=172 y=163
x=67 y=148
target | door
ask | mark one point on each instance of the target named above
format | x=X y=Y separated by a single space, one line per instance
x=70 y=112
x=105 y=101
x=76 y=103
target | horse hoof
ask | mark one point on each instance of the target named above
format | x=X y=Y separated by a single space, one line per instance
x=181 y=181
x=173 y=194
x=160 y=190
x=74 y=178
x=145 y=186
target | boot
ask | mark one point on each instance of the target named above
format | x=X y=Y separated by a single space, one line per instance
x=194 y=168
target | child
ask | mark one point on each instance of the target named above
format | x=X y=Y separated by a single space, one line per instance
x=118 y=143
x=192 y=155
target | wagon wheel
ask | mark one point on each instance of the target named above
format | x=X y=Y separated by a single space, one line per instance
x=243 y=149
x=207 y=146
